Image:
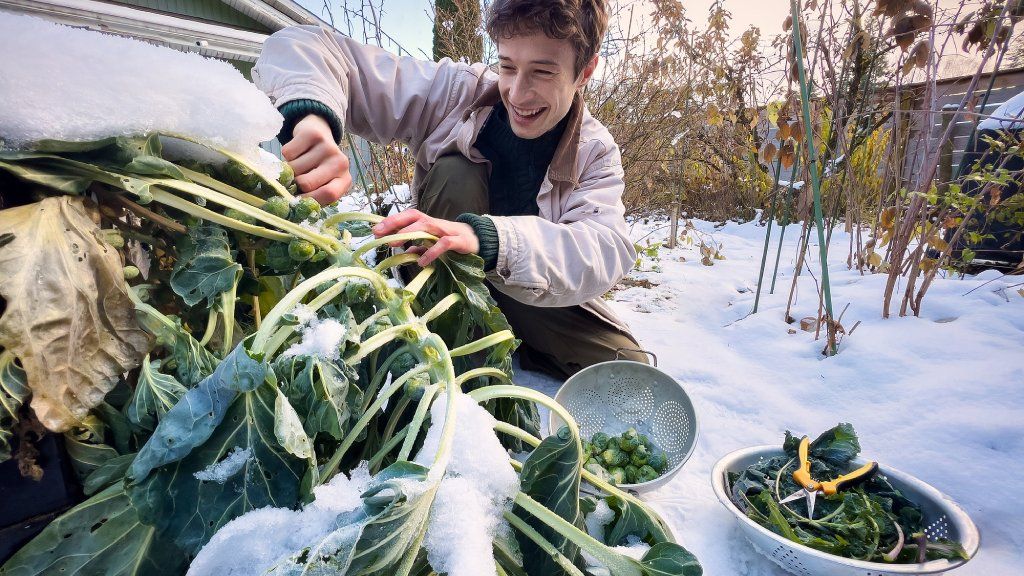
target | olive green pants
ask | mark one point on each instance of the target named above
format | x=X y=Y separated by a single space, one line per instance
x=558 y=341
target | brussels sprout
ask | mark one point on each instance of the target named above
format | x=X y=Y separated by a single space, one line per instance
x=629 y=443
x=646 y=442
x=301 y=250
x=240 y=216
x=191 y=221
x=647 y=474
x=303 y=209
x=415 y=386
x=596 y=469
x=240 y=176
x=131 y=272
x=600 y=440
x=640 y=456
x=610 y=456
x=377 y=327
x=358 y=290
x=277 y=206
x=618 y=475
x=632 y=473
x=587 y=448
x=287 y=174
x=657 y=461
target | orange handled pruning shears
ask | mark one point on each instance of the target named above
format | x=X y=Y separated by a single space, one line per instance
x=810 y=489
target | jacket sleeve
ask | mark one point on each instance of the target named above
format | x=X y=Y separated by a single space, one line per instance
x=578 y=258
x=377 y=95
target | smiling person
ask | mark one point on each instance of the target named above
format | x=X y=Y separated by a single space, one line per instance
x=509 y=165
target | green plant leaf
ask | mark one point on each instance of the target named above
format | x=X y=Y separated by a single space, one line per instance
x=205 y=267
x=192 y=421
x=191 y=362
x=111 y=471
x=155 y=393
x=380 y=539
x=13 y=393
x=102 y=535
x=288 y=429
x=463 y=273
x=323 y=393
x=242 y=451
x=668 y=559
x=631 y=518
x=87 y=456
x=68 y=316
x=551 y=476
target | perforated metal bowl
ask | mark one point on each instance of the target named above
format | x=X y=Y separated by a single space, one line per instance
x=613 y=396
x=942 y=516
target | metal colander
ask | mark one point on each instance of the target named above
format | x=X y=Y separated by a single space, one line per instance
x=613 y=396
x=943 y=519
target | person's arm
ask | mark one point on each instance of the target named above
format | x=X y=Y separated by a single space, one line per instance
x=576 y=259
x=372 y=92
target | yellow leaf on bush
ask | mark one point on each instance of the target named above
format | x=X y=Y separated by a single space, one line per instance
x=938 y=243
x=68 y=318
x=875 y=259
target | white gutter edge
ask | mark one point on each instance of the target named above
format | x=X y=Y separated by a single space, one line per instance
x=204 y=38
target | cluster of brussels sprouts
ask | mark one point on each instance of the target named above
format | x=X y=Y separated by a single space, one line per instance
x=629 y=458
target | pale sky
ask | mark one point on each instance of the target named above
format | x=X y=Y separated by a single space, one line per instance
x=409 y=21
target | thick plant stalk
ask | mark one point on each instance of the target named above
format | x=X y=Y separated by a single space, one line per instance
x=812 y=165
x=373 y=244
x=782 y=232
x=274 y=184
x=548 y=548
x=768 y=232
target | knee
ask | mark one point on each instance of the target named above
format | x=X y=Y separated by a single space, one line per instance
x=454 y=185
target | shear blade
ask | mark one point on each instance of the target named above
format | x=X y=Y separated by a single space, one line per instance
x=808 y=494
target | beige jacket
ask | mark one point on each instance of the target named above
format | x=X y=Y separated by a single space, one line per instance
x=578 y=247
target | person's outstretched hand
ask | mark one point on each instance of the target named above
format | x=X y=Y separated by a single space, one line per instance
x=454 y=236
x=321 y=168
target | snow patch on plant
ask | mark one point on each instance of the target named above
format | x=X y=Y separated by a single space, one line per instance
x=476 y=489
x=269 y=535
x=320 y=338
x=221 y=471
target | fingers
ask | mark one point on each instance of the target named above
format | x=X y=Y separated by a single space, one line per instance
x=396 y=222
x=327 y=165
x=330 y=192
x=442 y=245
x=306 y=134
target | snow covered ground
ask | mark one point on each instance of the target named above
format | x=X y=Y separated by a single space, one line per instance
x=940 y=397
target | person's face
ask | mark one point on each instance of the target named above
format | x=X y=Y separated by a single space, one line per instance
x=537 y=81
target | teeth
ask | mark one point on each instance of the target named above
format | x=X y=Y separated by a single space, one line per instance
x=526 y=113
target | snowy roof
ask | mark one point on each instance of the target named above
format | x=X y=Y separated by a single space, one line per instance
x=176 y=31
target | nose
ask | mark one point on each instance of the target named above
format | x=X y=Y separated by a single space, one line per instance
x=520 y=88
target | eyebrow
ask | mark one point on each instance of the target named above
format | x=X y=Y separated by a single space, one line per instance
x=545 y=62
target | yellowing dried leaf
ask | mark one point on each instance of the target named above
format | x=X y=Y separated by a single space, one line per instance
x=874 y=259
x=888 y=217
x=938 y=243
x=768 y=154
x=714 y=116
x=787 y=155
x=784 y=130
x=68 y=319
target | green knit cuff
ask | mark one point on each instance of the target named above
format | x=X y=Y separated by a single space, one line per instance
x=298 y=109
x=486 y=234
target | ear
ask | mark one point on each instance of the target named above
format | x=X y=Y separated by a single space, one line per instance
x=587 y=72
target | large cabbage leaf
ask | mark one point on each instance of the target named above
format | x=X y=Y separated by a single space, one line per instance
x=380 y=539
x=68 y=319
x=225 y=431
x=551 y=476
x=102 y=535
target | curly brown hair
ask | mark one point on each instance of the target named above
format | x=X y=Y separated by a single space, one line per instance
x=581 y=22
